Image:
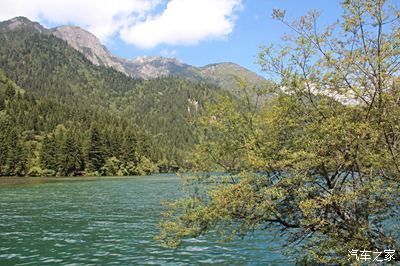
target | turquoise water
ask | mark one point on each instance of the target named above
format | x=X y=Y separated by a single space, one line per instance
x=110 y=222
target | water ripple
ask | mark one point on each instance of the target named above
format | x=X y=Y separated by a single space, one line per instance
x=109 y=222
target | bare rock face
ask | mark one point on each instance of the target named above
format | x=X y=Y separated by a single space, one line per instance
x=22 y=23
x=89 y=45
x=225 y=75
x=149 y=67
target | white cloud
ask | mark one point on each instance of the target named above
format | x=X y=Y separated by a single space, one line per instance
x=101 y=17
x=184 y=22
x=137 y=21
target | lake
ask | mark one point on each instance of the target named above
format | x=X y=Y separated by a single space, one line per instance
x=110 y=222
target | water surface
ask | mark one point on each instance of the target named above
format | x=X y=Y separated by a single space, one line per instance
x=109 y=222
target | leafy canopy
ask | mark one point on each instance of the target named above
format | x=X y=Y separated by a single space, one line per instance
x=321 y=158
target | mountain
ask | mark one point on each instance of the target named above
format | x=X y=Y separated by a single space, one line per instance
x=225 y=75
x=229 y=75
x=21 y=23
x=49 y=68
x=40 y=136
x=150 y=67
x=89 y=45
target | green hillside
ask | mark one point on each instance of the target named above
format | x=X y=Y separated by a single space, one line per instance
x=49 y=69
x=40 y=136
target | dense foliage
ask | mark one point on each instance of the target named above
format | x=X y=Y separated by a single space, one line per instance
x=50 y=69
x=321 y=160
x=43 y=137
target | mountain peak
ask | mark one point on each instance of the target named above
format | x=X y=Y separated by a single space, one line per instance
x=224 y=74
x=149 y=67
x=21 y=19
x=76 y=32
x=220 y=63
x=88 y=44
x=20 y=23
x=159 y=59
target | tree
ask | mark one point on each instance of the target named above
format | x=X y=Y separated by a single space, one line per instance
x=112 y=167
x=48 y=154
x=2 y=101
x=129 y=148
x=71 y=159
x=9 y=91
x=322 y=160
x=16 y=161
x=5 y=128
x=96 y=150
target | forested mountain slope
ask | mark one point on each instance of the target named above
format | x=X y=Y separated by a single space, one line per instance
x=49 y=69
x=225 y=75
x=40 y=136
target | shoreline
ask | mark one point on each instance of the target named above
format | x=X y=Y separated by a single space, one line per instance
x=18 y=181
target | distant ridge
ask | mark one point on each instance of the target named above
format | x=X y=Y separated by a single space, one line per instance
x=225 y=74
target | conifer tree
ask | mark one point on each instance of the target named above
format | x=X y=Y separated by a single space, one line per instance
x=48 y=154
x=96 y=149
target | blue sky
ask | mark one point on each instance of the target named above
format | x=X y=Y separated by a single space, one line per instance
x=254 y=27
x=198 y=32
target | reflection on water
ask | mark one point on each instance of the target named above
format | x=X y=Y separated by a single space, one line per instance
x=109 y=222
